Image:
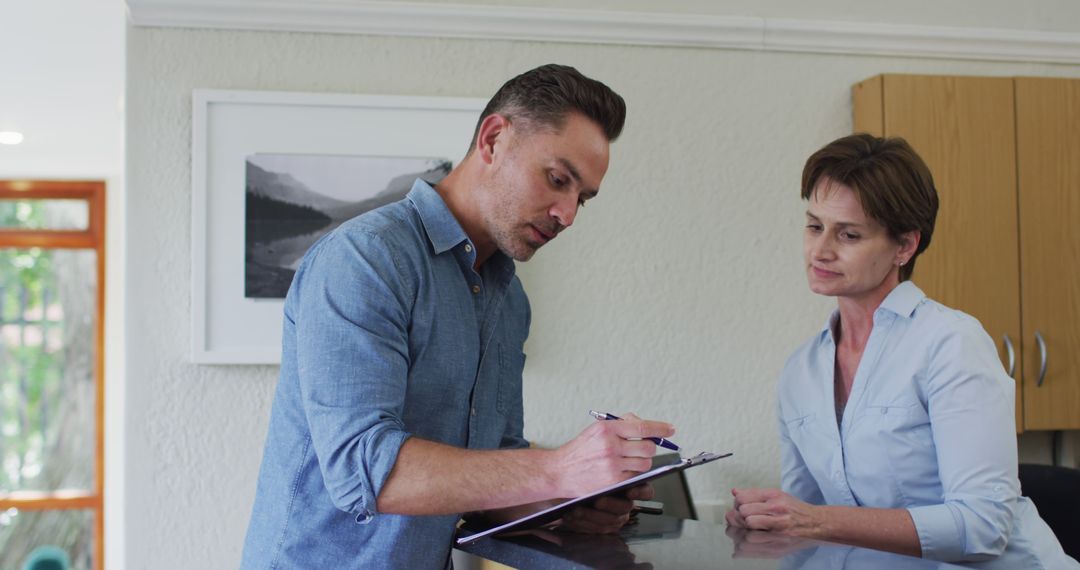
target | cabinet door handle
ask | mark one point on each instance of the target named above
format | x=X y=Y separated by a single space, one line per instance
x=1012 y=356
x=1042 y=358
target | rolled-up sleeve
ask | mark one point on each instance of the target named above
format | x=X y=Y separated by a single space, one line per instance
x=351 y=310
x=970 y=401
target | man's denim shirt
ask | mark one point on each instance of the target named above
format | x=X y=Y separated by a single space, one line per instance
x=389 y=333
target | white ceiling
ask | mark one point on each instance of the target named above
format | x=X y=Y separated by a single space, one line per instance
x=62 y=86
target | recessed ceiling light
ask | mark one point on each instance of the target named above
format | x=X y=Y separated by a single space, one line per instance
x=10 y=137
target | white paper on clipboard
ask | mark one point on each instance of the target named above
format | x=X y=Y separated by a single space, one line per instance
x=553 y=513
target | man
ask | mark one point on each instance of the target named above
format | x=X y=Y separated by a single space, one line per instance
x=399 y=402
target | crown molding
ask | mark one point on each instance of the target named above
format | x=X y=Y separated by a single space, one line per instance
x=921 y=41
x=610 y=27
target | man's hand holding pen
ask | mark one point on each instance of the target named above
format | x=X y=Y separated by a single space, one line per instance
x=662 y=442
x=606 y=453
x=603 y=454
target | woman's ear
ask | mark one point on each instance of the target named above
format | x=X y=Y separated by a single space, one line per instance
x=909 y=244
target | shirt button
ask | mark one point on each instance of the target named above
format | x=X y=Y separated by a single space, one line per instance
x=473 y=411
x=475 y=288
x=468 y=248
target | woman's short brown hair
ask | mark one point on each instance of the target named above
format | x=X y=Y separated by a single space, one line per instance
x=891 y=182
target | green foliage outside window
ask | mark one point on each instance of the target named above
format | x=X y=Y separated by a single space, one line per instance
x=45 y=405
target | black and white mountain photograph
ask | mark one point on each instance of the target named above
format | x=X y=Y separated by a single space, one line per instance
x=291 y=200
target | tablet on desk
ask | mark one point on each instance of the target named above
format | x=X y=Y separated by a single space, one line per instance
x=545 y=516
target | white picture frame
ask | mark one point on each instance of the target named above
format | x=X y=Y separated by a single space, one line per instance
x=227 y=127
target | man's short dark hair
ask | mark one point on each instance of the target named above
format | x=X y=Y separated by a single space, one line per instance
x=891 y=181
x=545 y=95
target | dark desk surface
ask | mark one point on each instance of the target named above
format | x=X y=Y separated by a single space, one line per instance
x=665 y=542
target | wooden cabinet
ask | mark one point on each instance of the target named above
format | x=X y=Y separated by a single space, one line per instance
x=1048 y=160
x=1005 y=155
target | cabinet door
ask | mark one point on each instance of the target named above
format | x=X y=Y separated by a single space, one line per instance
x=963 y=127
x=1048 y=157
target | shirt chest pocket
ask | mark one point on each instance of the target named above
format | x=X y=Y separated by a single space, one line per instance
x=901 y=432
x=903 y=419
x=809 y=434
x=805 y=431
x=511 y=365
x=899 y=427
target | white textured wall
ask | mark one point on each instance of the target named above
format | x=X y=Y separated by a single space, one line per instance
x=678 y=293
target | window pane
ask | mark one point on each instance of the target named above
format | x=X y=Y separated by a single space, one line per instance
x=46 y=535
x=47 y=325
x=44 y=214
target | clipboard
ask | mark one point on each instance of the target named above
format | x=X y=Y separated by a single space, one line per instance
x=549 y=514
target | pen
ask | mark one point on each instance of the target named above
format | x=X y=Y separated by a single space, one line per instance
x=657 y=440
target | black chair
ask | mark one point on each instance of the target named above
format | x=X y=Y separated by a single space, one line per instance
x=672 y=490
x=1056 y=493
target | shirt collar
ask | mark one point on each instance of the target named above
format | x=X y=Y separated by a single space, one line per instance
x=445 y=232
x=442 y=228
x=902 y=301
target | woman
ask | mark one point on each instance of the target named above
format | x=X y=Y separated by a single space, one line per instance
x=896 y=420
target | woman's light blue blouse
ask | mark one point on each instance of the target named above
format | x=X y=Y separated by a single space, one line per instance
x=929 y=427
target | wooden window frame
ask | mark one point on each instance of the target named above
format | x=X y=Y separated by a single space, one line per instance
x=93 y=237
